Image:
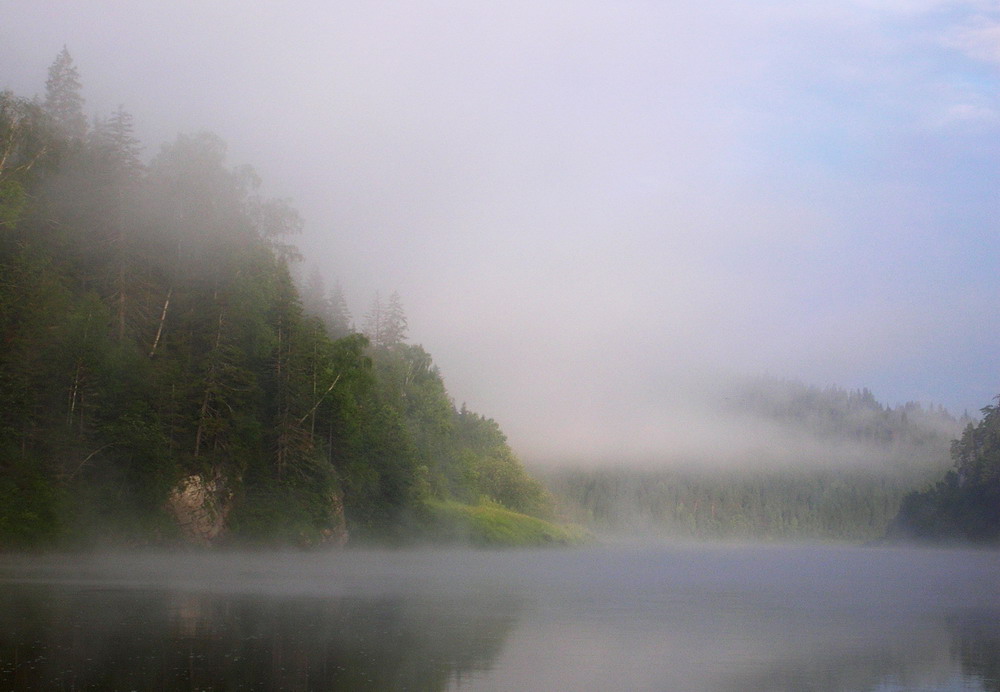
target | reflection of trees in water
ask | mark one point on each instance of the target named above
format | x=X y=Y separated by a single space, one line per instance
x=932 y=657
x=52 y=639
x=978 y=643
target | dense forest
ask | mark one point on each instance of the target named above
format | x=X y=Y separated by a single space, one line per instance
x=965 y=504
x=162 y=373
x=848 y=483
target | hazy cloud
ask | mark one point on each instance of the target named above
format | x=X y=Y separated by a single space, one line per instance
x=979 y=37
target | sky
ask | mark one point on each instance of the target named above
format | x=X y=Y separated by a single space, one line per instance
x=597 y=213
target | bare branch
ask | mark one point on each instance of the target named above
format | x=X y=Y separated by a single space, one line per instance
x=320 y=400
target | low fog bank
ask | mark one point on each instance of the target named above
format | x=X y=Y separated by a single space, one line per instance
x=754 y=424
x=369 y=572
x=762 y=459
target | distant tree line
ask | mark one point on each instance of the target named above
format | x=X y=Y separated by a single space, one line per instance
x=901 y=437
x=736 y=504
x=895 y=450
x=151 y=331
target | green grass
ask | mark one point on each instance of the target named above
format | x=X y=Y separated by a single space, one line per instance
x=490 y=525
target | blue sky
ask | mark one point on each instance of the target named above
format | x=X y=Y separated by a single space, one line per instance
x=597 y=212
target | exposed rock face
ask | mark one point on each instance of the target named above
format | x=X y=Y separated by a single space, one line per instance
x=337 y=534
x=201 y=506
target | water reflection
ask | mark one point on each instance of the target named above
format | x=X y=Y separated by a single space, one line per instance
x=924 y=660
x=69 y=638
x=660 y=618
x=978 y=644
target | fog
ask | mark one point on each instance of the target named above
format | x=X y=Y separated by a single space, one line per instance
x=678 y=617
x=597 y=214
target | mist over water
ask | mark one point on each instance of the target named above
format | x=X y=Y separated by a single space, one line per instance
x=643 y=617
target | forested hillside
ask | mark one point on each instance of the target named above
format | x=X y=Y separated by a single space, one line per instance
x=158 y=366
x=851 y=462
x=845 y=426
x=965 y=504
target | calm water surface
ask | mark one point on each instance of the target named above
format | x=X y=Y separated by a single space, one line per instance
x=728 y=618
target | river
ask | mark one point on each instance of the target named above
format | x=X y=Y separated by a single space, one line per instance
x=625 y=617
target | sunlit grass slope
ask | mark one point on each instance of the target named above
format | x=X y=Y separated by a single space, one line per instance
x=490 y=525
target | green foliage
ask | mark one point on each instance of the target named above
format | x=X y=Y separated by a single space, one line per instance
x=761 y=505
x=30 y=505
x=466 y=456
x=490 y=525
x=109 y=507
x=25 y=141
x=965 y=505
x=490 y=469
x=281 y=515
x=13 y=200
x=151 y=333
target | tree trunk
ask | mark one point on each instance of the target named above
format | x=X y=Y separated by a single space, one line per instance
x=163 y=318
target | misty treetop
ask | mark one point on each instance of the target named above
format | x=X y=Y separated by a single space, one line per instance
x=385 y=322
x=329 y=306
x=155 y=341
x=63 y=98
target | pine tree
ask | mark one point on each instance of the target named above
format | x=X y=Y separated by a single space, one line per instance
x=385 y=323
x=63 y=101
x=115 y=138
x=316 y=302
x=339 y=325
x=394 y=324
x=374 y=327
x=115 y=174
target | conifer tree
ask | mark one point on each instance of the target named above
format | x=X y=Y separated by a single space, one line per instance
x=114 y=137
x=375 y=321
x=63 y=101
x=114 y=172
x=385 y=323
x=313 y=294
x=394 y=330
x=339 y=325
x=329 y=307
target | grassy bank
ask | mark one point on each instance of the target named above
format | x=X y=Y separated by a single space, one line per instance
x=490 y=525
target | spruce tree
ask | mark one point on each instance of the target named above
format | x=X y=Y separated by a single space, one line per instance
x=339 y=325
x=374 y=327
x=394 y=329
x=63 y=101
x=385 y=323
x=115 y=138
